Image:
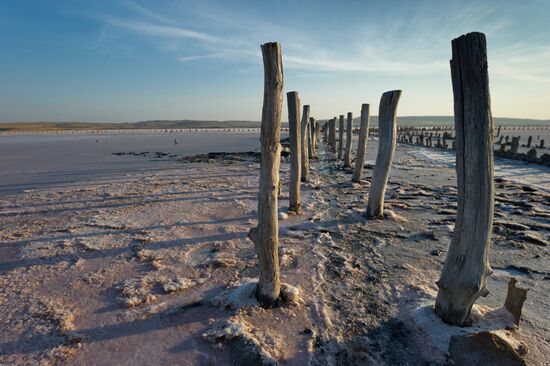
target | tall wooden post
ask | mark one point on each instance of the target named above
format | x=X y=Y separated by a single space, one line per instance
x=341 y=137
x=386 y=148
x=312 y=142
x=317 y=131
x=349 y=136
x=305 y=144
x=266 y=235
x=295 y=134
x=332 y=134
x=362 y=144
x=464 y=275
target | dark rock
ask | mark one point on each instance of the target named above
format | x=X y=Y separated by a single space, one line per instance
x=436 y=252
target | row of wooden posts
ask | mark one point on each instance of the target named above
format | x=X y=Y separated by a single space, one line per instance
x=464 y=274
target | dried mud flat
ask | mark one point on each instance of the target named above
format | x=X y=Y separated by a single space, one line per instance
x=157 y=269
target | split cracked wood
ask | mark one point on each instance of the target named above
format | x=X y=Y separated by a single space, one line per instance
x=266 y=235
x=362 y=144
x=464 y=275
x=386 y=148
x=295 y=134
x=515 y=297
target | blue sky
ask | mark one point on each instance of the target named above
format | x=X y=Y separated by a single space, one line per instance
x=131 y=60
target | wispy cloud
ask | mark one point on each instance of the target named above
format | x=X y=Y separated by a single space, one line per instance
x=412 y=42
x=157 y=30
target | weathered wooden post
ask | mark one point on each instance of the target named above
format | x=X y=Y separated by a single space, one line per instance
x=317 y=131
x=386 y=148
x=362 y=144
x=295 y=134
x=341 y=137
x=349 y=136
x=305 y=146
x=515 y=144
x=312 y=142
x=529 y=141
x=464 y=275
x=266 y=235
x=498 y=131
x=332 y=134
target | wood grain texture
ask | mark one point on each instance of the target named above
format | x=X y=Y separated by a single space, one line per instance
x=332 y=134
x=349 y=137
x=295 y=134
x=464 y=275
x=311 y=138
x=361 y=144
x=266 y=235
x=386 y=148
x=304 y=177
x=341 y=137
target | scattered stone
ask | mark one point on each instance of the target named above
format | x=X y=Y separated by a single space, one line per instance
x=436 y=252
x=136 y=292
x=246 y=345
x=290 y=294
x=177 y=284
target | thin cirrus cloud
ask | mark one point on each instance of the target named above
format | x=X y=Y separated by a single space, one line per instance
x=315 y=61
x=159 y=30
x=410 y=45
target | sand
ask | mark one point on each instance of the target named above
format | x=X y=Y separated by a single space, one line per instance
x=154 y=267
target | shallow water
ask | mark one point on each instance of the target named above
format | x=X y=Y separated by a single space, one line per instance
x=37 y=161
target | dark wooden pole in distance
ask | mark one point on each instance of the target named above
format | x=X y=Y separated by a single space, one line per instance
x=341 y=138
x=311 y=139
x=386 y=148
x=464 y=275
x=305 y=144
x=266 y=235
x=349 y=137
x=295 y=134
x=332 y=134
x=362 y=144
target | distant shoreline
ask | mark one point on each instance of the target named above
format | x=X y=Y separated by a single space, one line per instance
x=414 y=121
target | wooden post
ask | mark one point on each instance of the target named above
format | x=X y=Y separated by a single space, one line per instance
x=312 y=143
x=317 y=131
x=305 y=145
x=332 y=134
x=341 y=137
x=266 y=235
x=464 y=275
x=515 y=144
x=362 y=144
x=295 y=134
x=349 y=136
x=515 y=297
x=386 y=148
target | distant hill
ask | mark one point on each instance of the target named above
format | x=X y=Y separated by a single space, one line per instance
x=174 y=124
